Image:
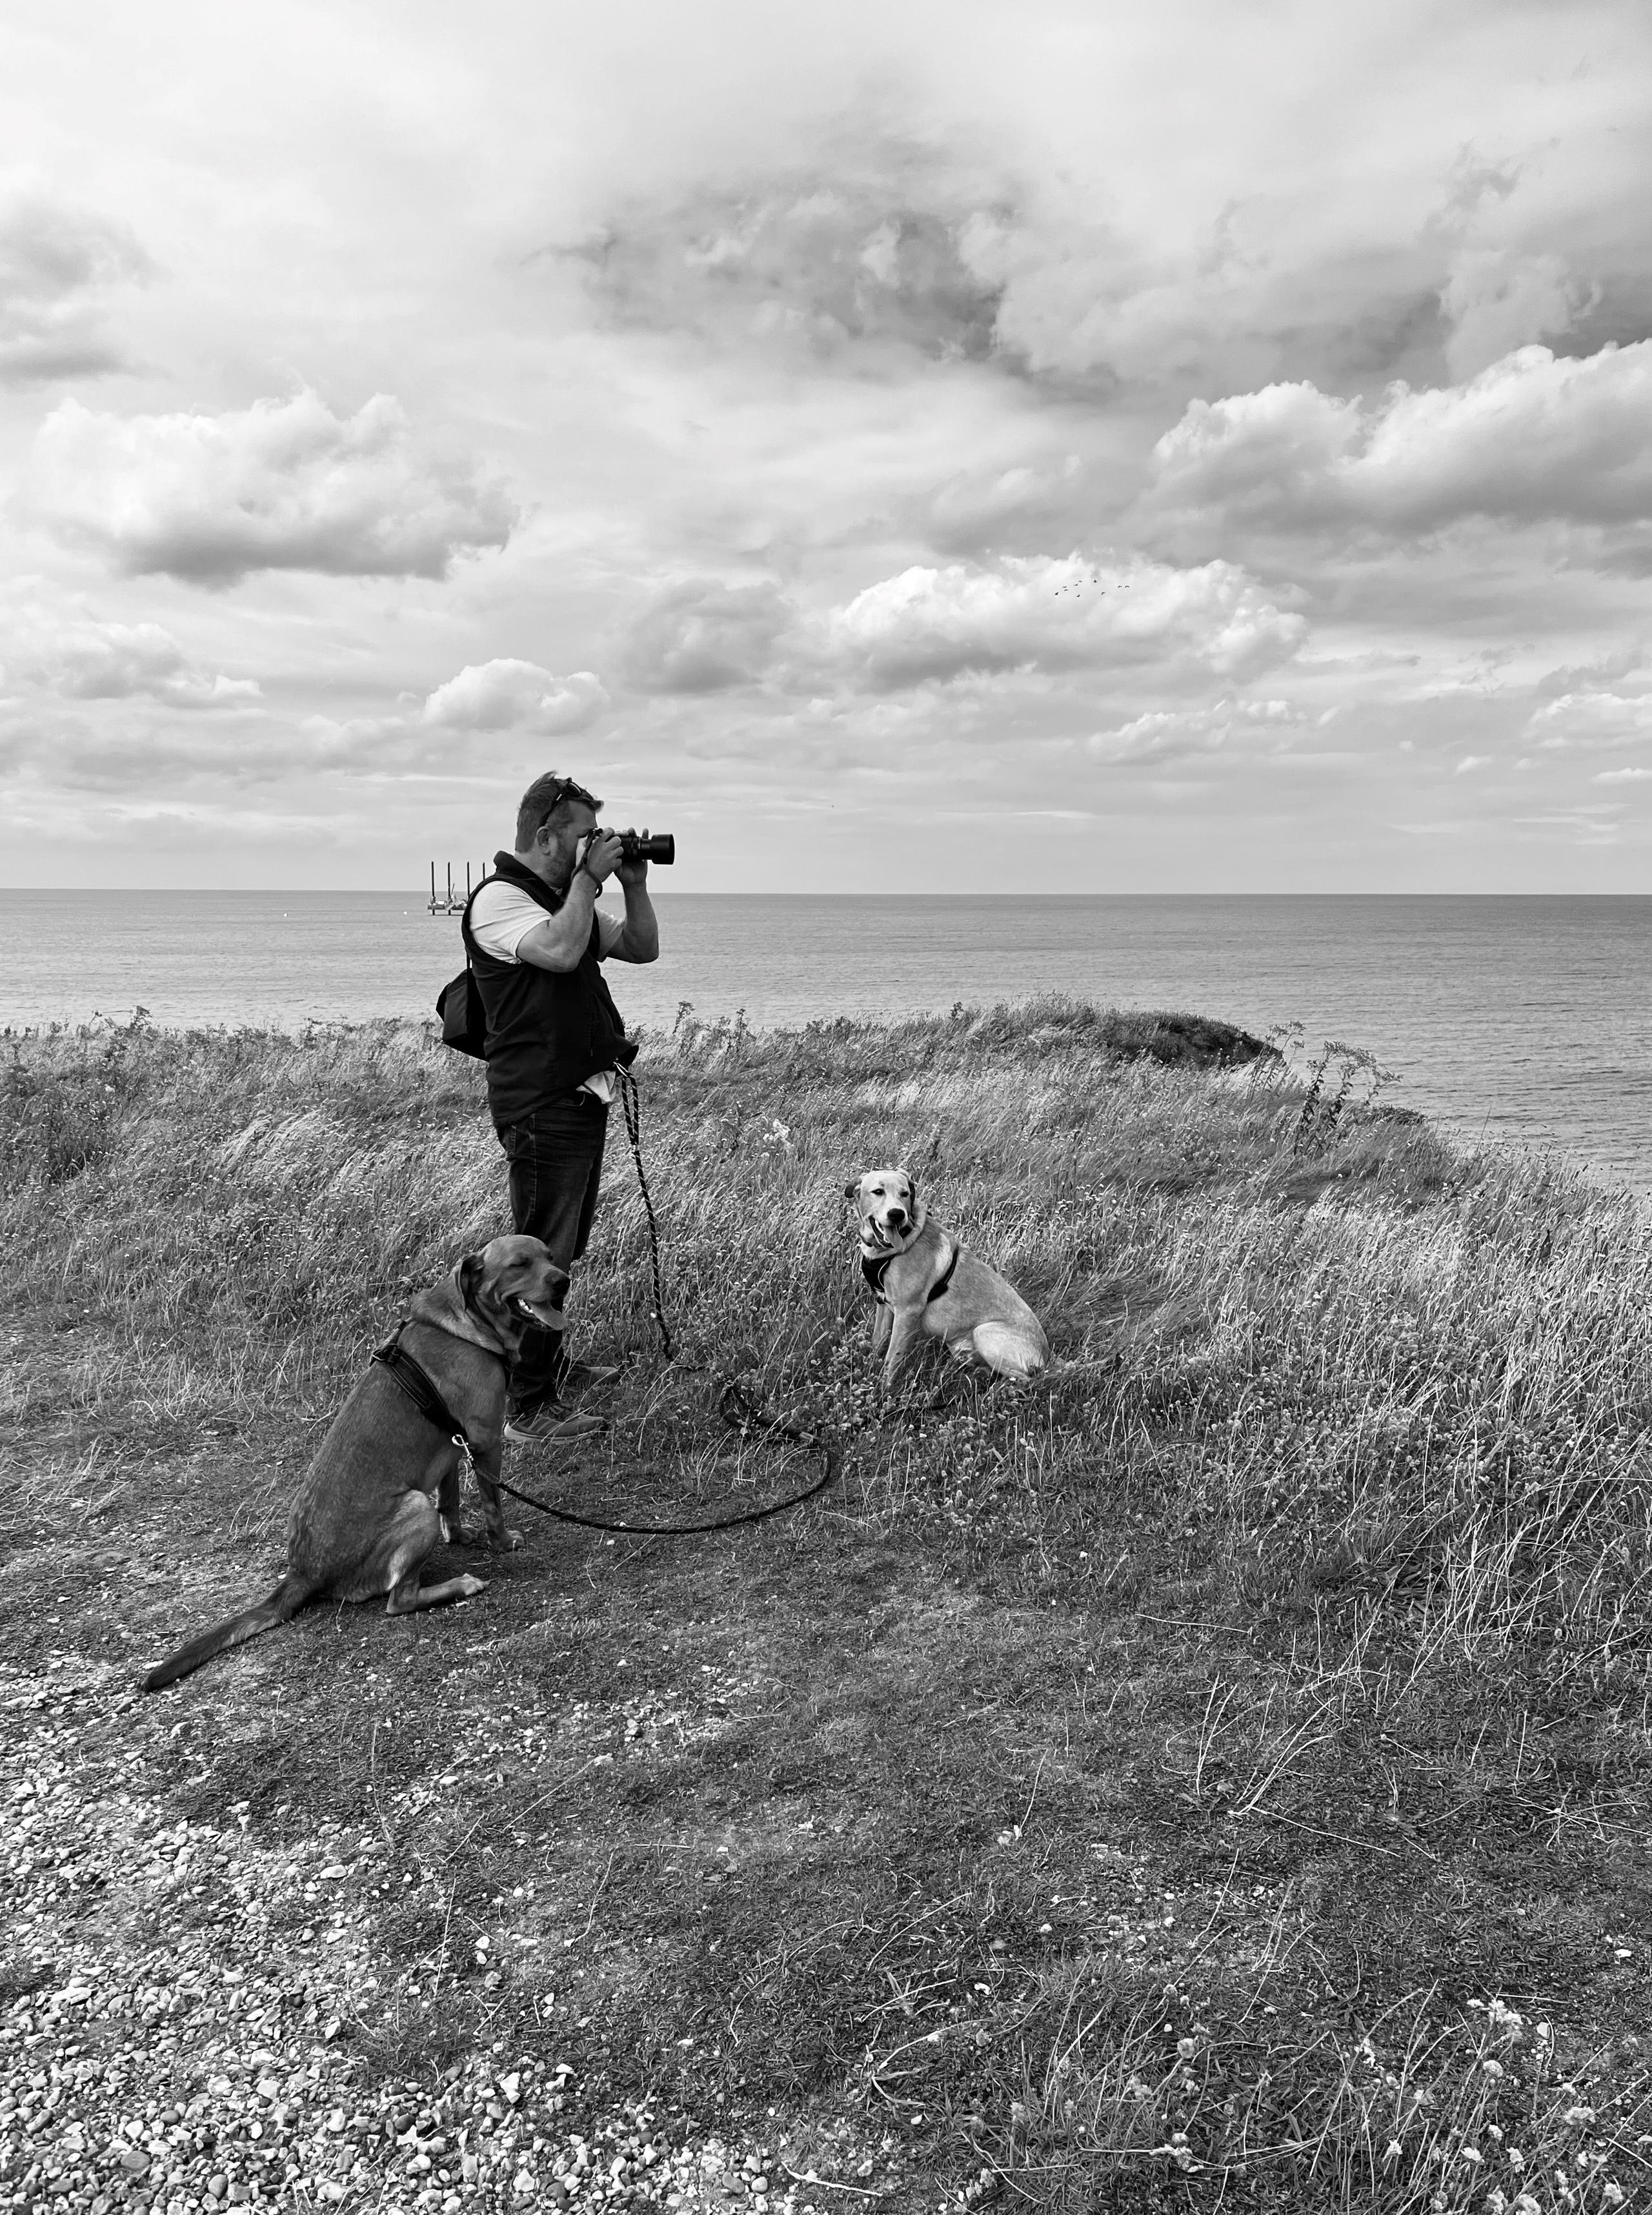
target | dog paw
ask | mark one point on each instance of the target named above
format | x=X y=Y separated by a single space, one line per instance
x=508 y=1539
x=470 y=1586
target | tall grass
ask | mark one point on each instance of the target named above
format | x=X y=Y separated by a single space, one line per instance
x=1363 y=1416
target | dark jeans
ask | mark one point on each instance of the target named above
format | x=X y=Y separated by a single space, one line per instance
x=555 y=1159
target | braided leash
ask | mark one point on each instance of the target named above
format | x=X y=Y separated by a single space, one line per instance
x=631 y=1102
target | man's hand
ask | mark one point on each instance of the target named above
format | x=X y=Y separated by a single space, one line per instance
x=601 y=857
x=633 y=873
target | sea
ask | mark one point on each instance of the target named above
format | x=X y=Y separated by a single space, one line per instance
x=1522 y=1020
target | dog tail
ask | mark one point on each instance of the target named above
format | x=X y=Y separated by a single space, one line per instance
x=1010 y=1352
x=281 y=1606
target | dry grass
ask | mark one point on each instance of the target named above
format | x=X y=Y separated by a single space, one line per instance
x=1220 y=1776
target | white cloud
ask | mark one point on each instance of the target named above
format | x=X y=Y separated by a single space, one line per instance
x=515 y=696
x=858 y=248
x=119 y=661
x=1081 y=302
x=1164 y=735
x=1497 y=300
x=703 y=636
x=80 y=657
x=57 y=263
x=927 y=623
x=280 y=484
x=1591 y=721
x=1620 y=775
x=1532 y=438
x=979 y=506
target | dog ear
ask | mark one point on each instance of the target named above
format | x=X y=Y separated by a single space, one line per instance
x=470 y=1272
x=850 y=1190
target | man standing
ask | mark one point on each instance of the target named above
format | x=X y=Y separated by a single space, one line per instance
x=535 y=937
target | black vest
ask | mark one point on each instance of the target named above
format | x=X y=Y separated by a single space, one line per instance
x=548 y=1029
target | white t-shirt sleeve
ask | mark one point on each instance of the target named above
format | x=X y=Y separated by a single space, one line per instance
x=502 y=914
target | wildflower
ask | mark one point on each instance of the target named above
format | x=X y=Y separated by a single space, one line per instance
x=1576 y=2117
x=1612 y=2195
x=1391 y=2152
x=1471 y=2154
x=1493 y=2068
x=1187 y=2047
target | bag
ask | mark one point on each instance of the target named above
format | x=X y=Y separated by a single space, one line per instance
x=464 y=1021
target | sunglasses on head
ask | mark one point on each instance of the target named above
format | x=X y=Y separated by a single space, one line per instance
x=566 y=789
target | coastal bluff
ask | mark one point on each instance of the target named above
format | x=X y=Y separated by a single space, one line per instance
x=1151 y=1788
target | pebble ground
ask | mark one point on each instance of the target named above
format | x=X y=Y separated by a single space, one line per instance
x=175 y=2026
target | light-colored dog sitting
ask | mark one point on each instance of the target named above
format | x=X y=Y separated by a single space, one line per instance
x=927 y=1285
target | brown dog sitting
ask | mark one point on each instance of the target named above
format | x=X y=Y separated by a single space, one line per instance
x=366 y=1515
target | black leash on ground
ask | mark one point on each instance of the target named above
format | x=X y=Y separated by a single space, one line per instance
x=749 y=1420
x=734 y=1404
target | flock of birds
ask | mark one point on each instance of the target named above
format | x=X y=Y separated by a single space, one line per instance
x=1078 y=591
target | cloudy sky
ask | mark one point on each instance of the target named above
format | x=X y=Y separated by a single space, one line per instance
x=1206 y=445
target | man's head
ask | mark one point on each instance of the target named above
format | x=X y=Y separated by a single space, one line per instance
x=555 y=815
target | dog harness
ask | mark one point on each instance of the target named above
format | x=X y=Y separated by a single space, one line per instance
x=421 y=1387
x=874 y=1265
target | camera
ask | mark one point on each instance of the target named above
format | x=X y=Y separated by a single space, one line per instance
x=662 y=847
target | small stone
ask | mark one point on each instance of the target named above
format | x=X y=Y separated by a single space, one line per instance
x=218 y=2185
x=132 y=2161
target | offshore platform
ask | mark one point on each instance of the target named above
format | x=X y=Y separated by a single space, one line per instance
x=452 y=902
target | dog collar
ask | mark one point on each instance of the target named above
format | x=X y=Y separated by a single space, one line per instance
x=872 y=1267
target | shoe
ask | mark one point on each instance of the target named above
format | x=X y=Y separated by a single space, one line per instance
x=588 y=1376
x=549 y=1423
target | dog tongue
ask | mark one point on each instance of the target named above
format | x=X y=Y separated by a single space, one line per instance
x=547 y=1318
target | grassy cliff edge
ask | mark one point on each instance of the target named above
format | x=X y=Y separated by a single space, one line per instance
x=1219 y=1776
